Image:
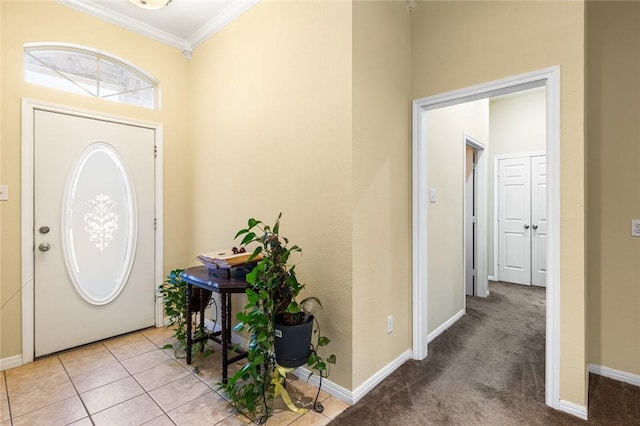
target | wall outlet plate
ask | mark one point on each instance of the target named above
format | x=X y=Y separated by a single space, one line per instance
x=635 y=228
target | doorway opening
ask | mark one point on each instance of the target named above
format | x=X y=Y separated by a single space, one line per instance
x=549 y=79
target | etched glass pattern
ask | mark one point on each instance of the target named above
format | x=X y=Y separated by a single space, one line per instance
x=102 y=221
x=99 y=224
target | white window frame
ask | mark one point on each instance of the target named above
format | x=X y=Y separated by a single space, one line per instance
x=99 y=55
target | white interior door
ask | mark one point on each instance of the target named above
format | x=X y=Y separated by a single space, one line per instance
x=93 y=230
x=514 y=217
x=539 y=220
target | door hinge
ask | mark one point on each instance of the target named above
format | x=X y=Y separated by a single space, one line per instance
x=155 y=151
x=155 y=223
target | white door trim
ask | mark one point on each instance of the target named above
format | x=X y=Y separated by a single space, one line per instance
x=496 y=234
x=27 y=227
x=482 y=288
x=549 y=77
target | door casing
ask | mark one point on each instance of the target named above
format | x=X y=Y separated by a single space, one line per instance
x=27 y=204
x=550 y=79
x=482 y=287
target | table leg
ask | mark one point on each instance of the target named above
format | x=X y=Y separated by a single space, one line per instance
x=226 y=321
x=188 y=319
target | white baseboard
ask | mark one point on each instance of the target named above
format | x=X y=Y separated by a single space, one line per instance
x=448 y=323
x=491 y=278
x=382 y=374
x=335 y=390
x=621 y=376
x=328 y=386
x=573 y=409
x=11 y=362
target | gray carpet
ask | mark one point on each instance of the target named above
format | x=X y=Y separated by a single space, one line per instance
x=487 y=369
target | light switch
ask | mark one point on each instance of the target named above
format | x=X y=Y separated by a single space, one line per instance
x=4 y=192
x=432 y=195
x=635 y=228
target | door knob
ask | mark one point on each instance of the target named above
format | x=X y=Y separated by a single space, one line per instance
x=535 y=226
x=44 y=229
x=526 y=226
x=44 y=246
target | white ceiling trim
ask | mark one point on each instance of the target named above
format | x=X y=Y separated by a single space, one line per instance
x=186 y=46
x=228 y=15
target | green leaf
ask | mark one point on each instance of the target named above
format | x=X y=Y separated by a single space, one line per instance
x=312 y=358
x=168 y=346
x=248 y=238
x=293 y=308
x=252 y=222
x=332 y=359
x=323 y=341
x=255 y=253
x=240 y=232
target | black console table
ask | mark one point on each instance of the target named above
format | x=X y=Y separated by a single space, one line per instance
x=225 y=282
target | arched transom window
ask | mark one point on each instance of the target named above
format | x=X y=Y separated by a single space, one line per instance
x=86 y=71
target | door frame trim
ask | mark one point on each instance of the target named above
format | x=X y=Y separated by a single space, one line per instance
x=496 y=188
x=482 y=287
x=29 y=106
x=550 y=78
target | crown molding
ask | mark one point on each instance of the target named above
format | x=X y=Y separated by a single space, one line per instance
x=186 y=46
x=128 y=23
x=228 y=15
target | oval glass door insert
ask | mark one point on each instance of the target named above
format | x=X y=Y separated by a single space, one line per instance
x=99 y=224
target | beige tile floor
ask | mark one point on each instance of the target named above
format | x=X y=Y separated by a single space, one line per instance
x=130 y=380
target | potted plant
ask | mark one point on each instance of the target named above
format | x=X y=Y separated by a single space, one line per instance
x=272 y=314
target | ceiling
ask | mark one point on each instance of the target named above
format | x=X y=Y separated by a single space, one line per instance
x=183 y=24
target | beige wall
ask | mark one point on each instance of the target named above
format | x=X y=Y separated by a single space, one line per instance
x=446 y=128
x=272 y=117
x=381 y=185
x=517 y=124
x=24 y=22
x=459 y=44
x=613 y=40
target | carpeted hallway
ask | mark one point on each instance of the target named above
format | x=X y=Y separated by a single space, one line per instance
x=487 y=369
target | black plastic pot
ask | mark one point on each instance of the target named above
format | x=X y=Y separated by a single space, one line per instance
x=293 y=343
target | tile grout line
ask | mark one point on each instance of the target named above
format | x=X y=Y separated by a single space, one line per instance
x=76 y=390
x=6 y=390
x=146 y=392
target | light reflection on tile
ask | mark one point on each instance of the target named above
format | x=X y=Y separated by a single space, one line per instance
x=109 y=395
x=63 y=412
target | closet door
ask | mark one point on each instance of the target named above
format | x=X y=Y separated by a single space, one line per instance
x=514 y=218
x=539 y=220
x=522 y=220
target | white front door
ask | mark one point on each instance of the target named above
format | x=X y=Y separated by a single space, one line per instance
x=522 y=219
x=93 y=229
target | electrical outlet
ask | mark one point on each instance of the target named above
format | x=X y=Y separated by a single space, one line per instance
x=4 y=192
x=389 y=324
x=635 y=228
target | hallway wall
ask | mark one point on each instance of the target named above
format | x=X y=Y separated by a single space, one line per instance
x=613 y=198
x=271 y=111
